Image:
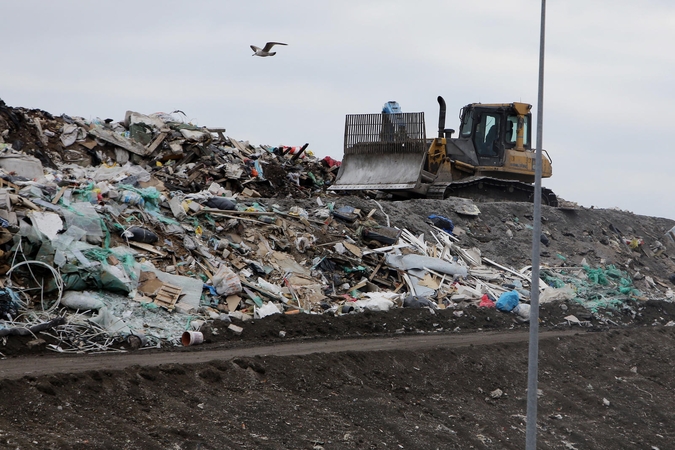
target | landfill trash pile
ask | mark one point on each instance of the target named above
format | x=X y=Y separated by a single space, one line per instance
x=135 y=234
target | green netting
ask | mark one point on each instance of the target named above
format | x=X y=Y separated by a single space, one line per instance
x=626 y=287
x=552 y=280
x=596 y=276
x=597 y=302
x=85 y=193
x=97 y=254
x=104 y=228
x=126 y=258
x=129 y=262
x=162 y=218
x=209 y=219
x=613 y=272
x=150 y=306
x=603 y=288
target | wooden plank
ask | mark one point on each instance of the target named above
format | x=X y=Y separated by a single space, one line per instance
x=158 y=140
x=357 y=286
x=384 y=282
x=220 y=132
x=118 y=140
x=58 y=196
x=377 y=269
x=148 y=248
x=239 y=146
x=207 y=272
x=445 y=234
x=234 y=212
x=385 y=249
x=353 y=249
x=229 y=216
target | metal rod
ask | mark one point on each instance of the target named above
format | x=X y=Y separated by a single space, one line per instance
x=533 y=350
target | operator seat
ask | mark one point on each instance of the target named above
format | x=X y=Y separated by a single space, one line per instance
x=489 y=149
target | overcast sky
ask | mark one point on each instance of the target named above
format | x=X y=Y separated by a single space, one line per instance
x=608 y=87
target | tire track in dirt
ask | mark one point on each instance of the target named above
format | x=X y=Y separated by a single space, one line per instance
x=48 y=365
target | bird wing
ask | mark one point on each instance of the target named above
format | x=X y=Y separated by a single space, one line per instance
x=269 y=45
x=254 y=48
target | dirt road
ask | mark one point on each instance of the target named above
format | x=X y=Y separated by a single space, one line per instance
x=47 y=365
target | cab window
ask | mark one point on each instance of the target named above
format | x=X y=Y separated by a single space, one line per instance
x=487 y=132
x=526 y=131
x=512 y=130
x=467 y=125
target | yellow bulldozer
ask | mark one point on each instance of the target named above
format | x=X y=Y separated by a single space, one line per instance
x=490 y=159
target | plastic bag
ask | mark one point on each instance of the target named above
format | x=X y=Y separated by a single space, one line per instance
x=522 y=310
x=221 y=203
x=139 y=234
x=413 y=301
x=81 y=300
x=226 y=281
x=85 y=217
x=375 y=304
x=267 y=309
x=115 y=279
x=485 y=302
x=562 y=293
x=441 y=222
x=507 y=301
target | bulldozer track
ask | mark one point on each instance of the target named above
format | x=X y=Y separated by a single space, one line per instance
x=488 y=188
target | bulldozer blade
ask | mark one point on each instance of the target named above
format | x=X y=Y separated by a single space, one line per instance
x=377 y=171
x=382 y=152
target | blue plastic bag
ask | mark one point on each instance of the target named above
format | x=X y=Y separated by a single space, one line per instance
x=507 y=301
x=441 y=222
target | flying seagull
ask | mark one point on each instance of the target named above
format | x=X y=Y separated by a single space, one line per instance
x=266 y=50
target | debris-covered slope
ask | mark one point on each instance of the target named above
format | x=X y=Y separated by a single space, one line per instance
x=150 y=234
x=132 y=232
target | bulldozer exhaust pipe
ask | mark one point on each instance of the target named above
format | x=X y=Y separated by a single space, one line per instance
x=441 y=117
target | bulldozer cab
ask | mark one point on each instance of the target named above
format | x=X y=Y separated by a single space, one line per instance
x=491 y=129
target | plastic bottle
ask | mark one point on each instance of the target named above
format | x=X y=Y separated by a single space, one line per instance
x=132 y=198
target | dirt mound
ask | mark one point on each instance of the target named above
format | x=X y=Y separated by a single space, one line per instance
x=598 y=390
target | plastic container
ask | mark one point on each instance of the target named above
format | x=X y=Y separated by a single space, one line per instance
x=191 y=338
